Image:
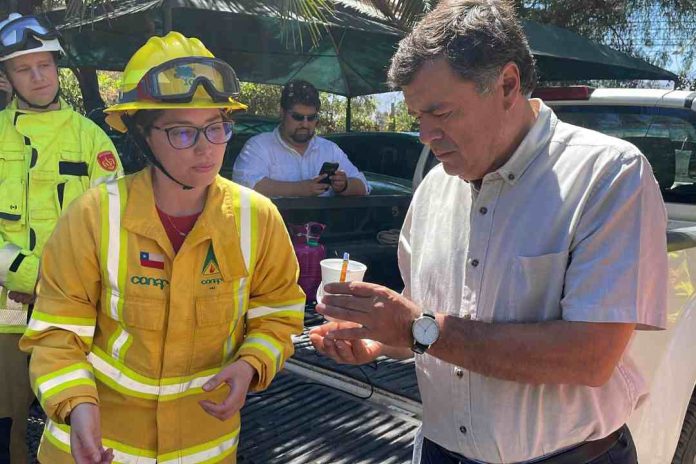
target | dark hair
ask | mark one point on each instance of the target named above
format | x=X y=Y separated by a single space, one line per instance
x=299 y=92
x=144 y=119
x=476 y=37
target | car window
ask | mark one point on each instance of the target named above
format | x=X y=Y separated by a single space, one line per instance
x=666 y=136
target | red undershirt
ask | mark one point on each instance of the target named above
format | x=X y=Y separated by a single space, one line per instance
x=175 y=226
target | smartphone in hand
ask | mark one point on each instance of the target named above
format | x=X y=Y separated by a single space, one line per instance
x=329 y=169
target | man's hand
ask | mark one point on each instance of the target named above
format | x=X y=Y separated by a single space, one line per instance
x=384 y=315
x=238 y=377
x=344 y=351
x=5 y=87
x=313 y=186
x=23 y=298
x=85 y=436
x=339 y=181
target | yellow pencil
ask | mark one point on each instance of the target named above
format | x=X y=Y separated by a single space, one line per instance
x=344 y=267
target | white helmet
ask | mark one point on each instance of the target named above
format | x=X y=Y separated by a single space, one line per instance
x=21 y=35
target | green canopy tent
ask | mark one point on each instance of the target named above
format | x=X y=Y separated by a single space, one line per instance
x=350 y=58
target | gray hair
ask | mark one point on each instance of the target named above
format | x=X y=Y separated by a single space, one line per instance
x=476 y=37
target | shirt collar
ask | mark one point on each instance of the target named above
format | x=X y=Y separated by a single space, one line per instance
x=289 y=147
x=532 y=145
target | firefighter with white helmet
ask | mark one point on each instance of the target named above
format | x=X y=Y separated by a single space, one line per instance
x=49 y=155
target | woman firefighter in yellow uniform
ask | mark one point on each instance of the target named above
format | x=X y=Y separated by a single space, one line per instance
x=166 y=295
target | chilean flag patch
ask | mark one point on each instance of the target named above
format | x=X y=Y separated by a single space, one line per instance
x=151 y=260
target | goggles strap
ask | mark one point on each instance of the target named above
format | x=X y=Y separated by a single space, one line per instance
x=140 y=142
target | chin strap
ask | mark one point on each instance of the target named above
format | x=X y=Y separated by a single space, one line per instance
x=142 y=145
x=38 y=107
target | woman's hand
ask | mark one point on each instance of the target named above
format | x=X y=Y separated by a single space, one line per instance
x=85 y=436
x=238 y=377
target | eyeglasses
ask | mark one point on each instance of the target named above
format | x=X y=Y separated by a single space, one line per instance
x=182 y=137
x=304 y=117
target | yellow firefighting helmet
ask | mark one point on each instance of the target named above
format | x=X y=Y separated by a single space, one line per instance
x=174 y=72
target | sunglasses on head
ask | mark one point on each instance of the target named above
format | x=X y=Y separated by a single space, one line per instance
x=302 y=117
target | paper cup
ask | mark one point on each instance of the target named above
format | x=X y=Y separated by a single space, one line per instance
x=331 y=272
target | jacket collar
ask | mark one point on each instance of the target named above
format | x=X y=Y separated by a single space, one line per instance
x=217 y=223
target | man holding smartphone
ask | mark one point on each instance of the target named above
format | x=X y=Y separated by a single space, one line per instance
x=292 y=161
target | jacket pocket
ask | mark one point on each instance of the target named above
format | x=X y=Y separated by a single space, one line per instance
x=143 y=313
x=143 y=320
x=537 y=287
x=12 y=185
x=216 y=319
x=12 y=201
x=12 y=161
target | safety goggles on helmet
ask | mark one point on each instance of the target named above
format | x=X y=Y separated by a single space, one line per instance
x=177 y=80
x=17 y=33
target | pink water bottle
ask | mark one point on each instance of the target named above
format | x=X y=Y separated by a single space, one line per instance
x=305 y=239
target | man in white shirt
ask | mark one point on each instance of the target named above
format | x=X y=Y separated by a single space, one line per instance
x=529 y=257
x=288 y=161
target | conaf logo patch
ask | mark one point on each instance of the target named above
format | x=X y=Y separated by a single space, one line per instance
x=210 y=265
x=149 y=281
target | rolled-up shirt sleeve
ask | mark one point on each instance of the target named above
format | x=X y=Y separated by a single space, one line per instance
x=617 y=270
x=252 y=164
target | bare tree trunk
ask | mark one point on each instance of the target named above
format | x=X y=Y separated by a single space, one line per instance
x=89 y=86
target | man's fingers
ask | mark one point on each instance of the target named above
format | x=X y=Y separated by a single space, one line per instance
x=331 y=350
x=350 y=334
x=340 y=313
x=359 y=303
x=364 y=289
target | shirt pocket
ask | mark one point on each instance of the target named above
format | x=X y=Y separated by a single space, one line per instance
x=143 y=319
x=536 y=287
x=217 y=317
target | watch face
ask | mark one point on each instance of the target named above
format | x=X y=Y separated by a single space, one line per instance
x=425 y=330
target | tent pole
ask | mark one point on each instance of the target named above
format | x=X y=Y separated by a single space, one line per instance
x=349 y=117
x=167 y=17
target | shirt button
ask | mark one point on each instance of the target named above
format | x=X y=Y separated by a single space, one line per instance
x=483 y=210
x=511 y=176
x=462 y=429
x=474 y=262
x=460 y=373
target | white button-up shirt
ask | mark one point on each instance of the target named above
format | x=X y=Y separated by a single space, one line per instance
x=268 y=155
x=572 y=228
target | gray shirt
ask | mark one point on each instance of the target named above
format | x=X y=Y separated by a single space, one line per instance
x=573 y=228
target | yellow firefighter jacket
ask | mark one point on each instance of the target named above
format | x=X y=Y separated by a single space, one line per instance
x=47 y=159
x=124 y=322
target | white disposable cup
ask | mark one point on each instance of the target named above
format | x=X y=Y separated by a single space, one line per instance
x=331 y=272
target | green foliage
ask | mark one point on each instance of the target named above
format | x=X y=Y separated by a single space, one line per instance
x=262 y=99
x=70 y=89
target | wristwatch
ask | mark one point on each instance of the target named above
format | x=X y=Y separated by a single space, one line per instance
x=425 y=332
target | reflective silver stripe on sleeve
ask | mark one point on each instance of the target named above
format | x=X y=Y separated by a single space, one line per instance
x=8 y=254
